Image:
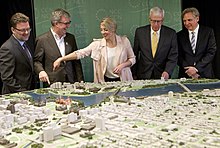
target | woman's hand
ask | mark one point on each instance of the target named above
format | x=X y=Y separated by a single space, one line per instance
x=118 y=69
x=56 y=64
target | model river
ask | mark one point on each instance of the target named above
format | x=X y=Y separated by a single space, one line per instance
x=97 y=98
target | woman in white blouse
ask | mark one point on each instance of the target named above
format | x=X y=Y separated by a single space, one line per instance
x=112 y=55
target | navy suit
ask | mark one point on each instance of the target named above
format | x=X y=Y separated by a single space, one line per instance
x=165 y=59
x=204 y=52
x=47 y=51
x=16 y=68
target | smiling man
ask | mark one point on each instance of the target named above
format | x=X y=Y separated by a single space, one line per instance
x=155 y=48
x=53 y=44
x=112 y=55
x=16 y=62
x=197 y=47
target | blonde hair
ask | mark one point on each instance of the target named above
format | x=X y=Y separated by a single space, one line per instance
x=109 y=23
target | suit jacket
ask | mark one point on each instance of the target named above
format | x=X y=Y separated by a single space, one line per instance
x=16 y=68
x=165 y=59
x=47 y=51
x=204 y=52
x=98 y=51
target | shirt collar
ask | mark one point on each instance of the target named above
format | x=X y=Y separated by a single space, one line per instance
x=195 y=31
x=152 y=31
x=56 y=36
x=20 y=42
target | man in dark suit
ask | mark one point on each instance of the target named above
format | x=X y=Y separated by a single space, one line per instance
x=156 y=56
x=53 y=44
x=16 y=62
x=197 y=47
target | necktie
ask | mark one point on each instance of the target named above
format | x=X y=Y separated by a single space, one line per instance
x=193 y=42
x=25 y=48
x=154 y=42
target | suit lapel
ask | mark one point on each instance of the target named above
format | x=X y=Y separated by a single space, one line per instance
x=68 y=48
x=199 y=41
x=146 y=37
x=187 y=41
x=104 y=50
x=160 y=41
x=119 y=46
x=21 y=50
x=52 y=43
x=30 y=61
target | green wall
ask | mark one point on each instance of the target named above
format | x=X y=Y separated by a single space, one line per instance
x=86 y=16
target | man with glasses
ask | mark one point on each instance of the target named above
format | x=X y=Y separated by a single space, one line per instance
x=16 y=62
x=53 y=44
x=197 y=47
x=155 y=48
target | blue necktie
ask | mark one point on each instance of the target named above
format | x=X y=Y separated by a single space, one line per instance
x=25 y=48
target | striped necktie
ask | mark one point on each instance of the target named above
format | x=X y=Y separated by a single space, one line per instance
x=154 y=42
x=193 y=42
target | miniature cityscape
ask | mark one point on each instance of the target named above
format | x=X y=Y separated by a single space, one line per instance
x=55 y=118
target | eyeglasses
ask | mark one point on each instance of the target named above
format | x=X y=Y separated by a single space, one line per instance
x=65 y=23
x=156 y=21
x=24 y=30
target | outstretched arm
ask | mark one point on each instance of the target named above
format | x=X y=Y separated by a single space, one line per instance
x=71 y=56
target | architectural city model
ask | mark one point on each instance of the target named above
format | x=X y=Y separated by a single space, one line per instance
x=126 y=117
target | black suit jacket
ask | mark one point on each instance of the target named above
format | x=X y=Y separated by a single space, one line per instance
x=47 y=51
x=204 y=52
x=165 y=59
x=16 y=69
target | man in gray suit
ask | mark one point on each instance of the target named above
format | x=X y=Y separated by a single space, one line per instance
x=16 y=62
x=53 y=44
x=155 y=59
x=195 y=54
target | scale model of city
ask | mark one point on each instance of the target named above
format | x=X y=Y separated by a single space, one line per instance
x=125 y=116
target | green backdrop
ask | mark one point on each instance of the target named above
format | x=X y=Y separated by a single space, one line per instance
x=86 y=16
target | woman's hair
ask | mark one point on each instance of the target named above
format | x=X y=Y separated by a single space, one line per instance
x=109 y=23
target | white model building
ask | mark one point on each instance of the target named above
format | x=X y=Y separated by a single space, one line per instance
x=5 y=102
x=50 y=133
x=93 y=111
x=170 y=94
x=72 y=117
x=56 y=85
x=3 y=107
x=22 y=120
x=82 y=113
x=100 y=123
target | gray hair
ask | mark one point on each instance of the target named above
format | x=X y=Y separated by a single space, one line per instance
x=156 y=11
x=192 y=10
x=18 y=18
x=57 y=14
x=109 y=23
